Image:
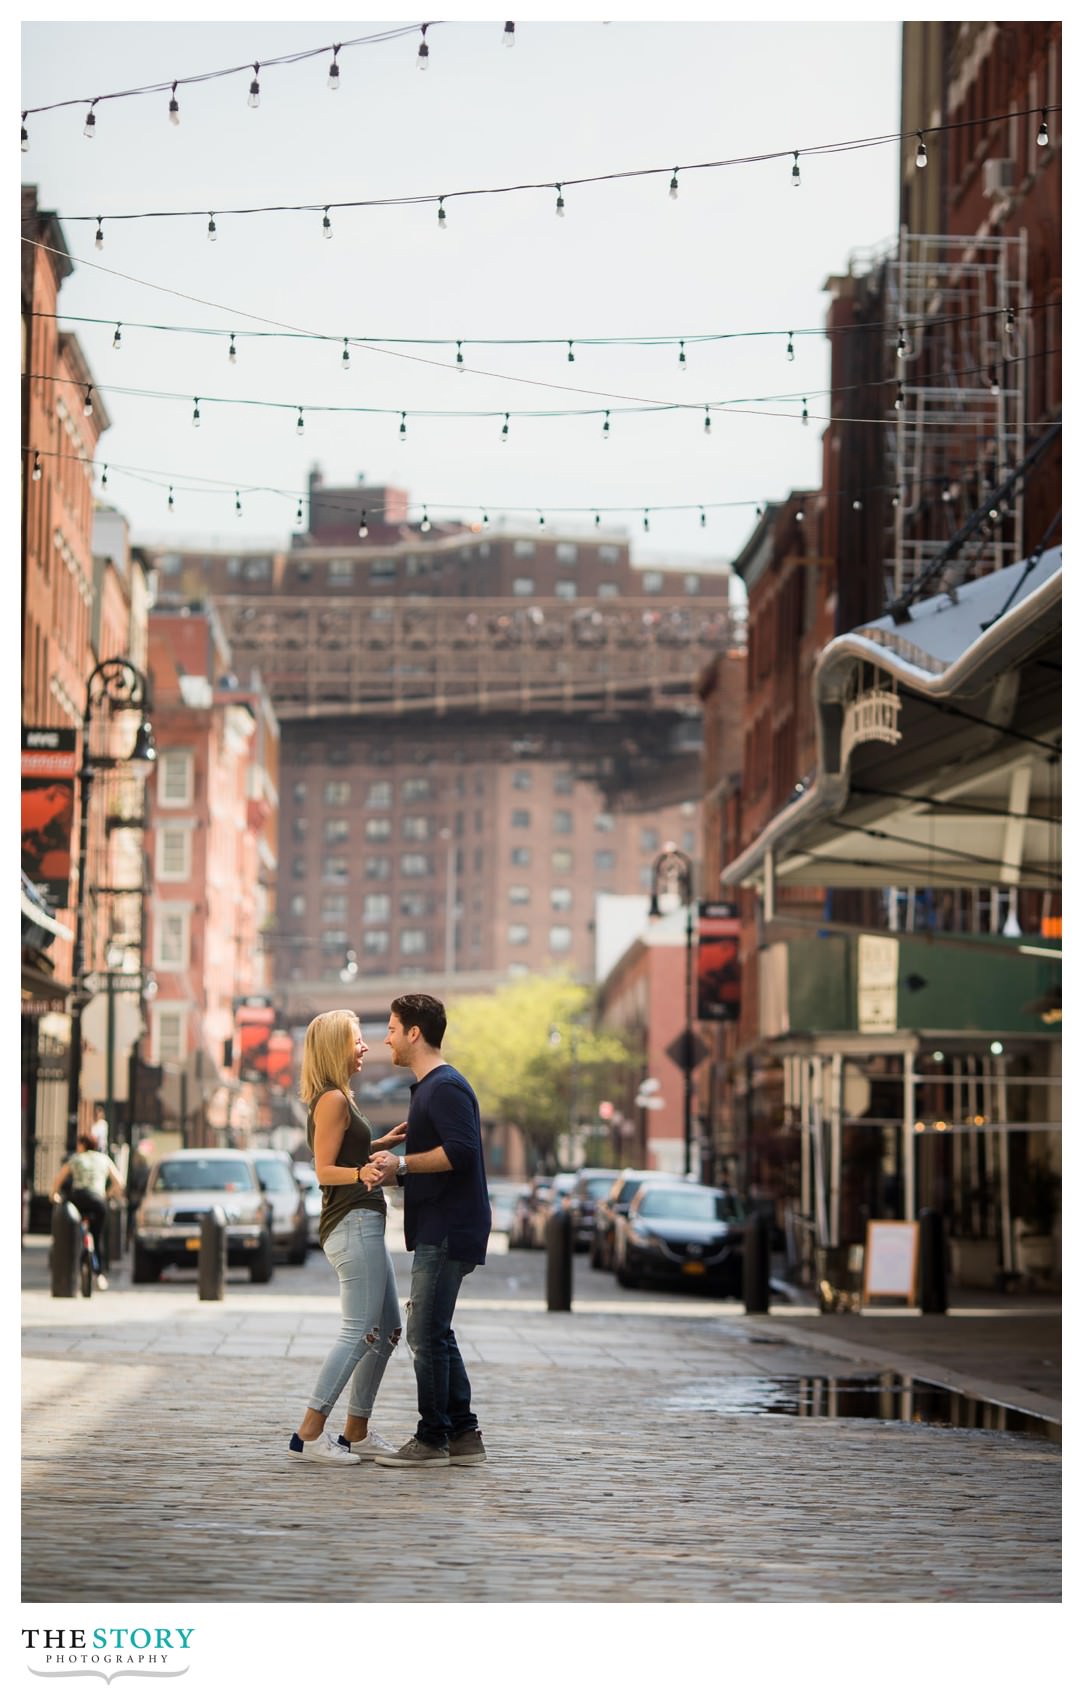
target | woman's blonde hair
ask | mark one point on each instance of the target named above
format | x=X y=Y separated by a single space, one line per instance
x=327 y=1059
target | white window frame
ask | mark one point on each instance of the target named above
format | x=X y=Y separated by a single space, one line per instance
x=172 y=1011
x=168 y=913
x=560 y=949
x=180 y=831
x=168 y=762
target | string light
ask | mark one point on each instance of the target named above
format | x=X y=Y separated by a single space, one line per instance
x=682 y=362
x=212 y=230
x=509 y=35
x=237 y=503
x=605 y=427
x=707 y=420
x=899 y=399
x=423 y=51
x=945 y=492
x=1009 y=321
x=459 y=354
x=24 y=139
x=902 y=347
x=703 y=519
x=99 y=237
x=300 y=515
x=896 y=498
x=504 y=430
x=426 y=523
x=253 y=87
x=345 y=354
x=857 y=504
x=174 y=107
x=541 y=522
x=232 y=349
x=332 y=74
x=88 y=401
x=300 y=421
x=799 y=515
x=91 y=122
x=921 y=158
x=804 y=411
x=327 y=231
x=795 y=174
x=363 y=528
x=485 y=522
x=195 y=413
x=790 y=355
x=646 y=519
x=441 y=216
x=597 y=521
x=116 y=337
x=171 y=504
x=673 y=185
x=105 y=478
x=571 y=355
x=36 y=474
x=994 y=384
x=560 y=199
x=1042 y=138
x=402 y=428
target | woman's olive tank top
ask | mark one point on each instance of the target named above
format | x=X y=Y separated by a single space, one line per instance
x=356 y=1149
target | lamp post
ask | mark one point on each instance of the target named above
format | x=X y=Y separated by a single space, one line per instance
x=673 y=866
x=117 y=686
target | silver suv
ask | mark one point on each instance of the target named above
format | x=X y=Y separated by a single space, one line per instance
x=180 y=1187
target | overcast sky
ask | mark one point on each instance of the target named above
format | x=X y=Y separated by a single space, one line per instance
x=739 y=250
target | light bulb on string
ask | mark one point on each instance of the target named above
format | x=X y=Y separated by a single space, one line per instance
x=105 y=478
x=945 y=492
x=759 y=511
x=299 y=519
x=790 y=355
x=300 y=421
x=994 y=513
x=88 y=401
x=36 y=473
x=560 y=200
x=99 y=237
x=212 y=230
x=597 y=521
x=799 y=515
x=902 y=347
x=232 y=349
x=605 y=427
x=509 y=35
x=91 y=122
x=1009 y=321
x=171 y=504
x=345 y=363
x=116 y=337
x=703 y=519
x=174 y=107
x=646 y=519
x=504 y=430
x=682 y=359
x=900 y=398
x=921 y=158
x=332 y=73
x=441 y=216
x=402 y=428
x=707 y=420
x=896 y=498
x=24 y=138
x=1042 y=138
x=541 y=522
x=327 y=231
x=571 y=355
x=857 y=504
x=426 y=523
x=485 y=522
x=237 y=503
x=253 y=87
x=804 y=410
x=673 y=185
x=459 y=356
x=795 y=174
x=363 y=528
x=423 y=51
x=195 y=412
x=994 y=383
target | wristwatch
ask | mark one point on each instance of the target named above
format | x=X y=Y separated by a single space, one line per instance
x=400 y=1175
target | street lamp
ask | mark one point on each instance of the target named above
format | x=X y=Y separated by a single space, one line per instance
x=673 y=866
x=116 y=686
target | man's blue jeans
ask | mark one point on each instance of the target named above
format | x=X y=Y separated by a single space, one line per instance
x=443 y=1389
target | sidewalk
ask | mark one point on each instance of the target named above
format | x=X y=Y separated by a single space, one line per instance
x=621 y=1463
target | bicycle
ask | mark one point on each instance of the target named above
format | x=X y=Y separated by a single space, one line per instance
x=88 y=1256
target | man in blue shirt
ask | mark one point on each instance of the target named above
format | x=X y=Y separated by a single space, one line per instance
x=447 y=1218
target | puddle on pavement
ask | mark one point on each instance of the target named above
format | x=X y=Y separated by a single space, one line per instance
x=877 y=1398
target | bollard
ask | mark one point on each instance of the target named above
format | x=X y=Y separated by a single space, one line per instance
x=114 y=1234
x=559 y=1241
x=212 y=1254
x=757 y=1266
x=65 y=1251
x=933 y=1263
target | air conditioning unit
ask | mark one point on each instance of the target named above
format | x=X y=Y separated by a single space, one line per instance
x=998 y=177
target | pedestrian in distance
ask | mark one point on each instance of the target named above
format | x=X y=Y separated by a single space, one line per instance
x=352 y=1224
x=447 y=1218
x=99 y=1128
x=91 y=1177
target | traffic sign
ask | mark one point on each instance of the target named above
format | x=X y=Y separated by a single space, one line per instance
x=99 y=981
x=687 y=1049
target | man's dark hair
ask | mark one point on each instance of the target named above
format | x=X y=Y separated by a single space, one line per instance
x=418 y=1009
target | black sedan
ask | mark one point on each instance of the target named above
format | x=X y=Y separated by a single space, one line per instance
x=689 y=1234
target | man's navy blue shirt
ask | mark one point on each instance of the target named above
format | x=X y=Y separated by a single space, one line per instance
x=454 y=1204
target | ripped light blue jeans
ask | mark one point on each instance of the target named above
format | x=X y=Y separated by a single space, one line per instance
x=371 y=1321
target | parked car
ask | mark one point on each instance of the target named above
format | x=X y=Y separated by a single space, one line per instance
x=614 y=1205
x=591 y=1185
x=558 y=1191
x=289 y=1218
x=503 y=1196
x=312 y=1192
x=180 y=1187
x=521 y=1233
x=686 y=1233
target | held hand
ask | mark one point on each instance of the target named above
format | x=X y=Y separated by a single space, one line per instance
x=380 y=1169
x=372 y=1176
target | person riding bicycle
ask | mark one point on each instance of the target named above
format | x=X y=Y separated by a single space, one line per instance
x=92 y=1177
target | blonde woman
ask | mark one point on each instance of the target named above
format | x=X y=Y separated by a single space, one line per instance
x=352 y=1225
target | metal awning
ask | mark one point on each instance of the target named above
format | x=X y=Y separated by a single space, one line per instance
x=39 y=917
x=938 y=745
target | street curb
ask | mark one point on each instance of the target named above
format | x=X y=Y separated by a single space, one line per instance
x=999 y=1393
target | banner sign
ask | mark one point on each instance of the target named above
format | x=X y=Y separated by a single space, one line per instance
x=718 y=966
x=48 y=810
x=254 y=1022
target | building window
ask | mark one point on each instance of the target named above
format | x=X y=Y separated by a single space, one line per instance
x=691 y=584
x=174 y=853
x=562 y=861
x=518 y=894
x=336 y=831
x=652 y=583
x=603 y=823
x=608 y=552
x=563 y=783
x=413 y=941
x=378 y=795
x=518 y=933
x=336 y=870
x=608 y=589
x=175 y=775
x=378 y=827
x=333 y=906
x=377 y=867
x=522 y=779
x=258 y=567
x=415 y=826
x=297 y=903
x=340 y=572
x=171 y=945
x=520 y=856
x=300 y=791
x=567 y=589
x=560 y=897
x=522 y=549
x=416 y=790
x=518 y=970
x=300 y=868
x=560 y=940
x=336 y=792
x=567 y=554
x=415 y=904
x=414 y=866
x=522 y=587
x=381 y=572
x=562 y=820
x=333 y=941
x=376 y=906
x=648 y=839
x=300 y=827
x=169 y=1034
x=375 y=943
x=605 y=859
x=520 y=817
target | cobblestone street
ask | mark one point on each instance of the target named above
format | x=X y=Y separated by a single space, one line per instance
x=619 y=1468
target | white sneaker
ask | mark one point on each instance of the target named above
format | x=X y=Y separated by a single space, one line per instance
x=103 y=1284
x=320 y=1451
x=369 y=1448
